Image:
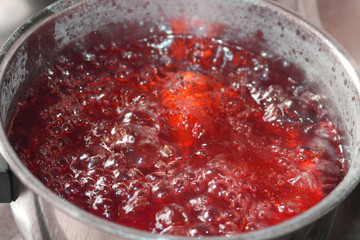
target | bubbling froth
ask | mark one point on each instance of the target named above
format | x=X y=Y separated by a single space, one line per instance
x=179 y=135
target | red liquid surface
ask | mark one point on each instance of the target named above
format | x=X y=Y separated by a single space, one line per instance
x=179 y=135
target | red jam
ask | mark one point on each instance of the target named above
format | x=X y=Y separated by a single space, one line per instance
x=179 y=135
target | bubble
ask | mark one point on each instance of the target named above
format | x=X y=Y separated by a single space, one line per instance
x=233 y=216
x=252 y=226
x=45 y=178
x=114 y=162
x=180 y=184
x=95 y=173
x=137 y=185
x=288 y=208
x=67 y=177
x=107 y=180
x=104 y=207
x=123 y=73
x=198 y=186
x=103 y=203
x=162 y=191
x=201 y=229
x=55 y=185
x=287 y=164
x=56 y=130
x=211 y=214
x=62 y=163
x=242 y=202
x=55 y=172
x=304 y=180
x=91 y=162
x=230 y=196
x=155 y=176
x=128 y=175
x=143 y=115
x=171 y=215
x=296 y=110
x=88 y=183
x=228 y=229
x=138 y=152
x=141 y=158
x=198 y=203
x=136 y=204
x=147 y=76
x=218 y=189
x=175 y=230
x=73 y=187
x=214 y=173
x=326 y=130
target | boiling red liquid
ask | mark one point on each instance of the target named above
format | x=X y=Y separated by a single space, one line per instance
x=179 y=135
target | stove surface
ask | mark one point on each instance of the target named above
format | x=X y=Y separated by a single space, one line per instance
x=340 y=18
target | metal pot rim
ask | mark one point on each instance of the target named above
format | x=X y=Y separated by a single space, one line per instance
x=30 y=181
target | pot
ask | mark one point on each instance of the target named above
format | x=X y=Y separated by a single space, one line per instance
x=40 y=214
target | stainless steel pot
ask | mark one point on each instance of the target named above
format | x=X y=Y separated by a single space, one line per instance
x=40 y=214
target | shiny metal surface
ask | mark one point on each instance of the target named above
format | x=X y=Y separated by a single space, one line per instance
x=42 y=215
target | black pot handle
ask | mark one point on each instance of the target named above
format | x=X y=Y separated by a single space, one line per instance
x=5 y=182
x=9 y=185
